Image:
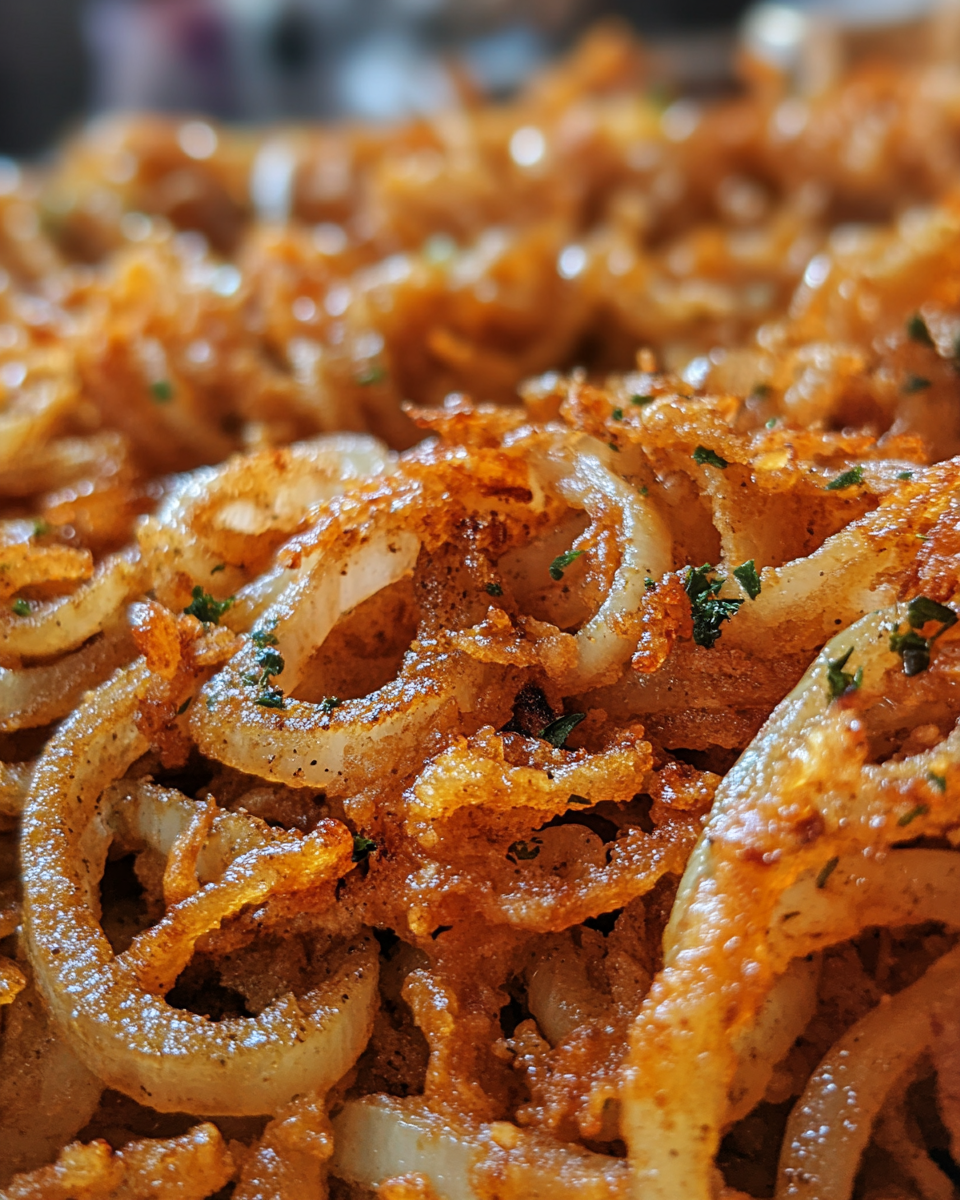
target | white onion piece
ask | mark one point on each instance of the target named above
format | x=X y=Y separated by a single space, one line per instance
x=379 y=1138
x=607 y=640
x=167 y=1058
x=830 y=1125
x=559 y=994
x=784 y=1015
x=66 y=622
x=35 y=696
x=304 y=744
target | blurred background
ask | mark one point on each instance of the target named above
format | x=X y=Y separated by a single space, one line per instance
x=267 y=59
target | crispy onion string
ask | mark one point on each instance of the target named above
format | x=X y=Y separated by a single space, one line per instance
x=379 y=1138
x=830 y=1125
x=34 y=696
x=170 y=1059
x=66 y=622
x=805 y=772
x=606 y=640
x=227 y=520
x=341 y=563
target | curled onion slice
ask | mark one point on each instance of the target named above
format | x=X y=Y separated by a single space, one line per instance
x=802 y=797
x=354 y=552
x=379 y=1138
x=606 y=640
x=34 y=696
x=66 y=622
x=229 y=519
x=170 y=1059
x=830 y=1125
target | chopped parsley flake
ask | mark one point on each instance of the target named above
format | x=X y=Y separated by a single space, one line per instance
x=218 y=568
x=641 y=400
x=184 y=706
x=162 y=391
x=905 y=475
x=760 y=390
x=494 y=589
x=649 y=583
x=524 y=850
x=773 y=422
x=912 y=646
x=913 y=814
x=575 y=799
x=557 y=732
x=915 y=383
x=839 y=681
x=562 y=561
x=270 y=697
x=708 y=609
x=375 y=373
x=617 y=414
x=362 y=847
x=263 y=637
x=938 y=781
x=828 y=869
x=917 y=330
x=271 y=661
x=746 y=575
x=847 y=479
x=205 y=608
x=329 y=703
x=710 y=457
x=41 y=527
x=644 y=491
x=614 y=446
x=21 y=607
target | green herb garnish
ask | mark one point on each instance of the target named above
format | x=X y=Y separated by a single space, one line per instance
x=575 y=799
x=205 y=608
x=913 y=814
x=617 y=414
x=562 y=561
x=494 y=589
x=557 y=732
x=915 y=383
x=905 y=475
x=709 y=610
x=847 y=479
x=702 y=455
x=263 y=637
x=162 y=391
x=641 y=400
x=760 y=390
x=21 y=607
x=524 y=850
x=938 y=781
x=41 y=527
x=839 y=681
x=746 y=575
x=917 y=330
x=270 y=697
x=329 y=703
x=362 y=847
x=218 y=568
x=184 y=706
x=828 y=869
x=912 y=646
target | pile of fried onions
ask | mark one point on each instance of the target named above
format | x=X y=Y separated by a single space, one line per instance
x=399 y=695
